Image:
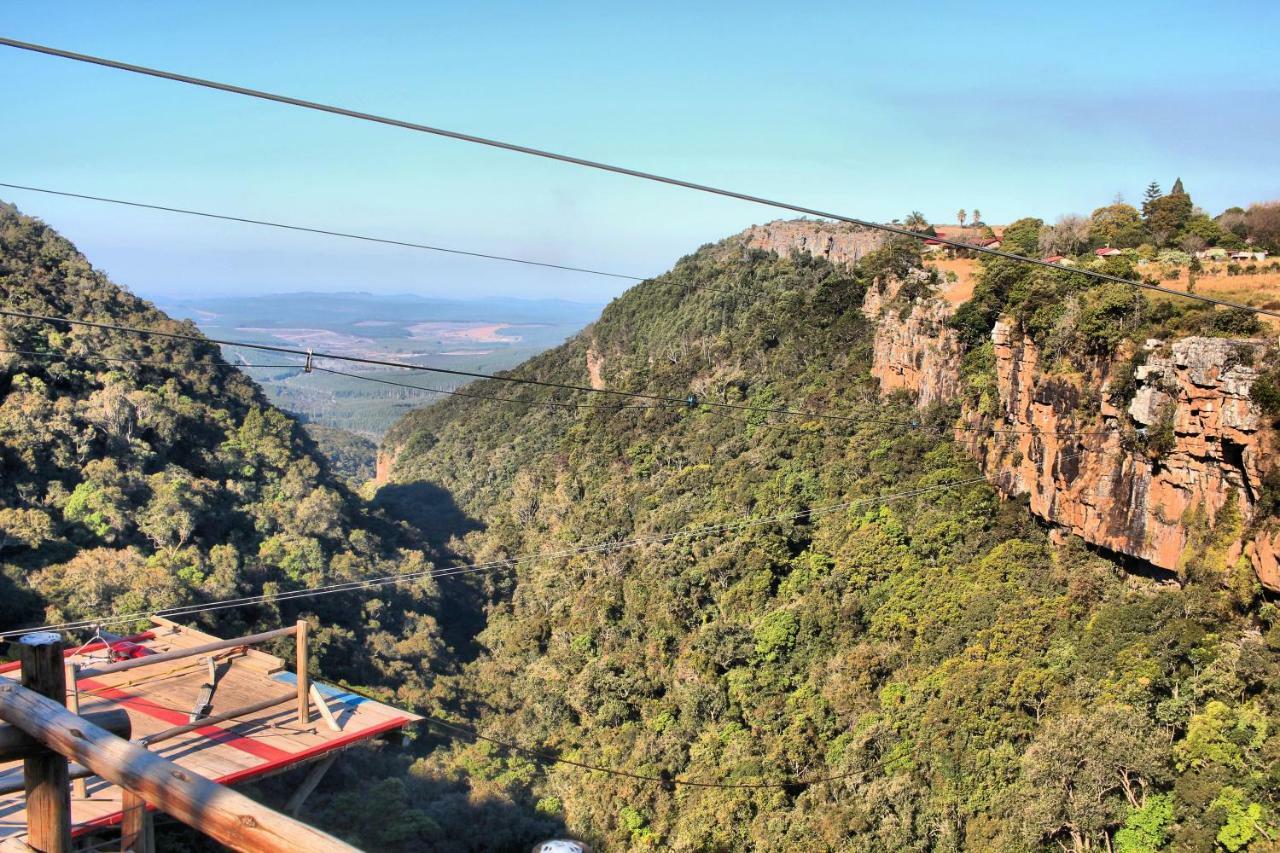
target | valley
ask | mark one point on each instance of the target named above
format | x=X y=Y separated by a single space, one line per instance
x=926 y=532
x=480 y=335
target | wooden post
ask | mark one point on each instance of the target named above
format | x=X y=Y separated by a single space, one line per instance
x=133 y=823
x=48 y=788
x=304 y=698
x=219 y=812
x=78 y=787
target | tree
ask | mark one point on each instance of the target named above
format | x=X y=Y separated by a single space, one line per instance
x=915 y=221
x=25 y=528
x=977 y=216
x=1117 y=225
x=1200 y=225
x=1263 y=225
x=1068 y=236
x=1149 y=197
x=1166 y=216
x=1023 y=236
x=1085 y=772
x=961 y=215
x=177 y=502
x=1234 y=221
x=1192 y=243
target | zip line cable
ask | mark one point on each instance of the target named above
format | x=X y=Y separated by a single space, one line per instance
x=533 y=403
x=604 y=167
x=47 y=356
x=324 y=231
x=692 y=401
x=556 y=403
x=453 y=571
x=68 y=357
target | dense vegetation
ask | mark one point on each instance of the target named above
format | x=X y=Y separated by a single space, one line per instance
x=349 y=455
x=975 y=686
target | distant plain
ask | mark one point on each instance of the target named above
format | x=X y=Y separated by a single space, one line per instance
x=479 y=335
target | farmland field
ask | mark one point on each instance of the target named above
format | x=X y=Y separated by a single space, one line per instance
x=481 y=335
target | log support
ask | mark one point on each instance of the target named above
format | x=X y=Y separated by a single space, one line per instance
x=45 y=773
x=314 y=777
x=136 y=824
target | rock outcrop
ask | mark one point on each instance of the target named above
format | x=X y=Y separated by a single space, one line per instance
x=1184 y=456
x=915 y=350
x=1187 y=452
x=838 y=242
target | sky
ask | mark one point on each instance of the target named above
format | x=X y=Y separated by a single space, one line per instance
x=865 y=109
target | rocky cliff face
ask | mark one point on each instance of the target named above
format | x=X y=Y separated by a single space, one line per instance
x=1184 y=459
x=914 y=348
x=838 y=242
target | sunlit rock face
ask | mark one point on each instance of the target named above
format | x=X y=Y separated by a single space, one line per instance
x=1130 y=478
x=838 y=242
x=914 y=349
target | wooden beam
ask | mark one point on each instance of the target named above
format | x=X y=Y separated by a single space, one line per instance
x=323 y=707
x=304 y=695
x=309 y=783
x=269 y=663
x=18 y=786
x=194 y=651
x=48 y=787
x=15 y=743
x=230 y=818
x=166 y=734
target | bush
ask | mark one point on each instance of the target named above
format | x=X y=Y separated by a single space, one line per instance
x=1266 y=392
x=1110 y=312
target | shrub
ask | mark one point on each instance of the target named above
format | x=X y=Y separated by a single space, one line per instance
x=1266 y=392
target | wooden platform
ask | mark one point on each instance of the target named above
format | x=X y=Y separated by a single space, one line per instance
x=162 y=696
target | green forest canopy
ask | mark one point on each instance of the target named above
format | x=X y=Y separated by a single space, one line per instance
x=977 y=686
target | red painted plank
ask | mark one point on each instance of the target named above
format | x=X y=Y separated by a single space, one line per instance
x=215 y=734
x=253 y=772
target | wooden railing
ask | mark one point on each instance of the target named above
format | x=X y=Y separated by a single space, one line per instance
x=45 y=734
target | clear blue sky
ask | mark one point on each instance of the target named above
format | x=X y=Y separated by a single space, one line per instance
x=870 y=109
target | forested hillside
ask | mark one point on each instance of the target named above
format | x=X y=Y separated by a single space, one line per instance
x=970 y=684
x=903 y=660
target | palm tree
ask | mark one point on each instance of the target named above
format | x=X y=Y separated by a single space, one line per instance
x=915 y=221
x=977 y=216
x=962 y=215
